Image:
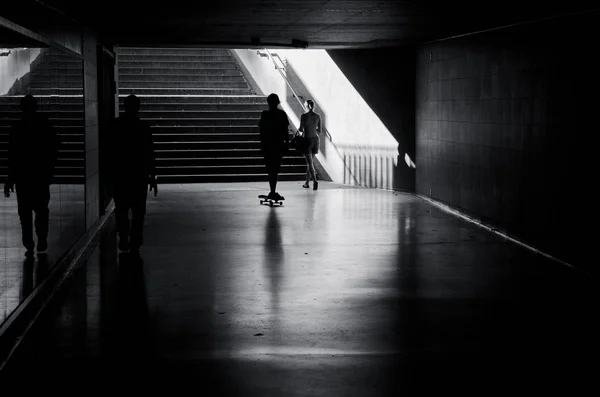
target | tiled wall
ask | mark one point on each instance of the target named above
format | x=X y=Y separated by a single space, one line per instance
x=92 y=189
x=499 y=118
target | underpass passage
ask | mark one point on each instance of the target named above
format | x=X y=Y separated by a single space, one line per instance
x=345 y=291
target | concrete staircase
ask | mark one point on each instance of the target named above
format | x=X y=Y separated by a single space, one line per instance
x=204 y=115
x=56 y=80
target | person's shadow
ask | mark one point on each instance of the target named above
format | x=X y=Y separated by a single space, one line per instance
x=131 y=340
x=27 y=280
x=33 y=274
x=273 y=260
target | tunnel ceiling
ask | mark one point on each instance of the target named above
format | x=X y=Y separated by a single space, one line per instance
x=11 y=39
x=319 y=23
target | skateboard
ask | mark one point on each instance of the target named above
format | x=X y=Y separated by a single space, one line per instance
x=264 y=199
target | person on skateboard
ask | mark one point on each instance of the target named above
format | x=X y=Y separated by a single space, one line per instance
x=275 y=140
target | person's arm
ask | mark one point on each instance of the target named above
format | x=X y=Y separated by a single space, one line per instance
x=286 y=138
x=55 y=144
x=319 y=126
x=9 y=184
x=151 y=153
x=11 y=154
x=302 y=122
x=261 y=122
x=151 y=156
x=261 y=127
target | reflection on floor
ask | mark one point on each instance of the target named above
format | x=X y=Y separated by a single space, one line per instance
x=19 y=275
x=340 y=292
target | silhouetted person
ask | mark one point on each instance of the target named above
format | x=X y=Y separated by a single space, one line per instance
x=310 y=126
x=133 y=170
x=32 y=156
x=275 y=139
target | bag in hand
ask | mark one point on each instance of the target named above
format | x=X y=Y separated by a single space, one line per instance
x=299 y=143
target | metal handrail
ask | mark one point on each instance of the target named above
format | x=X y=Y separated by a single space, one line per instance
x=281 y=70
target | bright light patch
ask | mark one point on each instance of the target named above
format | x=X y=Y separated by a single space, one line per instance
x=408 y=161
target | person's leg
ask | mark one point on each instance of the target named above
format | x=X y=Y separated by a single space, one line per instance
x=138 y=213
x=308 y=173
x=122 y=215
x=311 y=166
x=272 y=175
x=24 y=209
x=277 y=158
x=314 y=151
x=42 y=215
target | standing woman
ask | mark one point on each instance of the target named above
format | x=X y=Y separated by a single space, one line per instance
x=310 y=126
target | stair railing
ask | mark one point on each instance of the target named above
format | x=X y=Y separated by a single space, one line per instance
x=280 y=67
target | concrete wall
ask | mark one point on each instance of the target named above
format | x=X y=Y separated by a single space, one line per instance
x=264 y=80
x=503 y=125
x=385 y=79
x=92 y=183
x=15 y=66
x=52 y=25
x=361 y=150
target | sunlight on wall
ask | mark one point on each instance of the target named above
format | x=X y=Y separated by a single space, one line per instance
x=362 y=151
x=15 y=64
x=368 y=150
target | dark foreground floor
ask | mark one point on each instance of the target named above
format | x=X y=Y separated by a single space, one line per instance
x=20 y=275
x=340 y=292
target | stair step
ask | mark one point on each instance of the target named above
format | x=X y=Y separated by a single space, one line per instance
x=208 y=153
x=55 y=59
x=43 y=108
x=61 y=114
x=60 y=179
x=172 y=51
x=63 y=138
x=71 y=153
x=165 y=85
x=200 y=107
x=177 y=58
x=216 y=178
x=183 y=91
x=58 y=76
x=66 y=151
x=151 y=71
x=169 y=79
x=45 y=100
x=56 y=91
x=56 y=122
x=61 y=162
x=61 y=169
x=199 y=114
x=194 y=99
x=220 y=129
x=207 y=145
x=198 y=122
x=217 y=161
x=228 y=169
x=59 y=67
x=55 y=84
x=192 y=137
x=198 y=64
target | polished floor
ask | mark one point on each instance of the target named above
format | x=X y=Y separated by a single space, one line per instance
x=341 y=292
x=18 y=274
